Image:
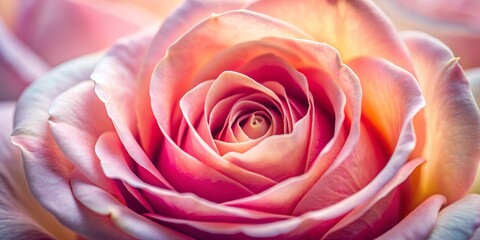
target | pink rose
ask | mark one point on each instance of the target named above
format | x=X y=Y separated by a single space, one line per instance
x=285 y=119
x=456 y=23
x=37 y=35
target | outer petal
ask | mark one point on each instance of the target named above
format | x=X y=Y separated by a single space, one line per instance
x=18 y=65
x=115 y=84
x=355 y=28
x=409 y=227
x=21 y=217
x=391 y=89
x=46 y=168
x=452 y=121
x=77 y=118
x=460 y=220
x=105 y=204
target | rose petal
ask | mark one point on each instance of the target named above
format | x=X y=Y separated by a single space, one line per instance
x=19 y=66
x=452 y=121
x=354 y=28
x=46 y=168
x=122 y=65
x=459 y=220
x=426 y=214
x=391 y=96
x=363 y=208
x=21 y=217
x=77 y=118
x=361 y=167
x=376 y=220
x=122 y=217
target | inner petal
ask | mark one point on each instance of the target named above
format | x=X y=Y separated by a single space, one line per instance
x=254 y=125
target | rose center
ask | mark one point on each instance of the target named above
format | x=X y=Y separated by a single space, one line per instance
x=254 y=125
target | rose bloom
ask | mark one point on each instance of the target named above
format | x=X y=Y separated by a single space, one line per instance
x=456 y=23
x=37 y=35
x=257 y=119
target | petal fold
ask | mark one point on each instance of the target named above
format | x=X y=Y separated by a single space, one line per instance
x=426 y=214
x=452 y=121
x=459 y=220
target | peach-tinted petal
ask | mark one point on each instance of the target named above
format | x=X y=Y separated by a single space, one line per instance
x=102 y=203
x=419 y=223
x=60 y=30
x=352 y=175
x=452 y=121
x=390 y=96
x=179 y=22
x=360 y=211
x=354 y=28
x=459 y=220
x=19 y=66
x=21 y=217
x=46 y=168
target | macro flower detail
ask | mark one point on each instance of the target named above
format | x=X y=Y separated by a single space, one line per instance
x=246 y=119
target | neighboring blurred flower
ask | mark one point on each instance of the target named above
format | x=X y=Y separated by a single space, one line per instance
x=37 y=35
x=456 y=23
